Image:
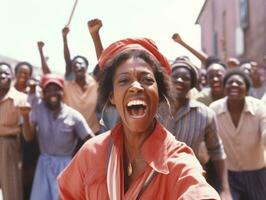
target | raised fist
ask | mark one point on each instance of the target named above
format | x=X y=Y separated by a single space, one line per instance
x=40 y=44
x=176 y=37
x=94 y=25
x=65 y=31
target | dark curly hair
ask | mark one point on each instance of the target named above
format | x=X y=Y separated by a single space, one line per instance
x=106 y=77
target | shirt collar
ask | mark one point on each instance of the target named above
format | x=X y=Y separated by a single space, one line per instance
x=248 y=106
x=154 y=149
x=14 y=95
x=222 y=108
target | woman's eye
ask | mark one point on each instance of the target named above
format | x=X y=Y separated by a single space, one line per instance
x=123 y=81
x=148 y=80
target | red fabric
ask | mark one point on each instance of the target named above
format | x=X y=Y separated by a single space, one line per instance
x=179 y=173
x=52 y=78
x=136 y=43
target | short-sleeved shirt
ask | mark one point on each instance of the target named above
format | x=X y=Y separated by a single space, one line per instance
x=9 y=112
x=244 y=144
x=194 y=123
x=83 y=101
x=179 y=173
x=59 y=136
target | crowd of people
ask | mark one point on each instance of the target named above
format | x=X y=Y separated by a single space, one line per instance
x=137 y=127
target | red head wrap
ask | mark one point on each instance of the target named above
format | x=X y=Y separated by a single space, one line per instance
x=133 y=43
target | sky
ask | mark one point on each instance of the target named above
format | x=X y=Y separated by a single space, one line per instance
x=24 y=22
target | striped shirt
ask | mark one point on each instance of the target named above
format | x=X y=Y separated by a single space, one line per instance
x=9 y=112
x=193 y=124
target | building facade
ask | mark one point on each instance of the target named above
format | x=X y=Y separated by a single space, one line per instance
x=234 y=28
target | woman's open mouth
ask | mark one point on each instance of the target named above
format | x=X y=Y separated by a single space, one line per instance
x=137 y=108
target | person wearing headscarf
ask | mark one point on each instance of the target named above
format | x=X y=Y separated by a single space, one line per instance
x=138 y=158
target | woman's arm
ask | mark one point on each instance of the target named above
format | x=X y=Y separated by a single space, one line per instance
x=45 y=67
x=200 y=55
x=68 y=69
x=94 y=27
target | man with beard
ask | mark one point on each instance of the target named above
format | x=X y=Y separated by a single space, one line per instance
x=10 y=152
x=59 y=128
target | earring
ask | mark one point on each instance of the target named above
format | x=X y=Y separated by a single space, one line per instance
x=169 y=106
x=101 y=120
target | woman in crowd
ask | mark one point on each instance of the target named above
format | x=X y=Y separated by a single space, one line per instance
x=242 y=127
x=138 y=158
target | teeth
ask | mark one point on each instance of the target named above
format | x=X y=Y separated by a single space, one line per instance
x=136 y=103
x=53 y=99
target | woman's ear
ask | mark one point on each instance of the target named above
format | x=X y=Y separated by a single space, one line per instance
x=111 y=98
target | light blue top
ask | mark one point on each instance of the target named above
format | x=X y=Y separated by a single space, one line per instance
x=59 y=136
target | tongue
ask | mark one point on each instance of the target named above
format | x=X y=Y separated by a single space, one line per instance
x=140 y=111
x=53 y=99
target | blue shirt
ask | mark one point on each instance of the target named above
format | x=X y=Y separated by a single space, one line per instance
x=59 y=136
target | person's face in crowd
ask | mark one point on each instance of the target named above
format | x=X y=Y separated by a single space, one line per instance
x=251 y=70
x=135 y=94
x=254 y=70
x=235 y=88
x=203 y=77
x=53 y=95
x=5 y=77
x=79 y=68
x=246 y=67
x=23 y=74
x=181 y=79
x=215 y=75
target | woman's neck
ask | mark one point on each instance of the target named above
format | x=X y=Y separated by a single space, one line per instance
x=235 y=106
x=20 y=87
x=134 y=141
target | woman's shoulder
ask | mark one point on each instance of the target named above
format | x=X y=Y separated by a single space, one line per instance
x=98 y=144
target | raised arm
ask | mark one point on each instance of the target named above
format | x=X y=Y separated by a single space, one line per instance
x=67 y=57
x=94 y=27
x=200 y=55
x=45 y=67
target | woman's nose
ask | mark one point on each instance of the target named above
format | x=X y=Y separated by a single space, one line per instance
x=136 y=86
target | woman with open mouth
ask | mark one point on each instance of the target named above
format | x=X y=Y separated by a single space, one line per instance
x=138 y=158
